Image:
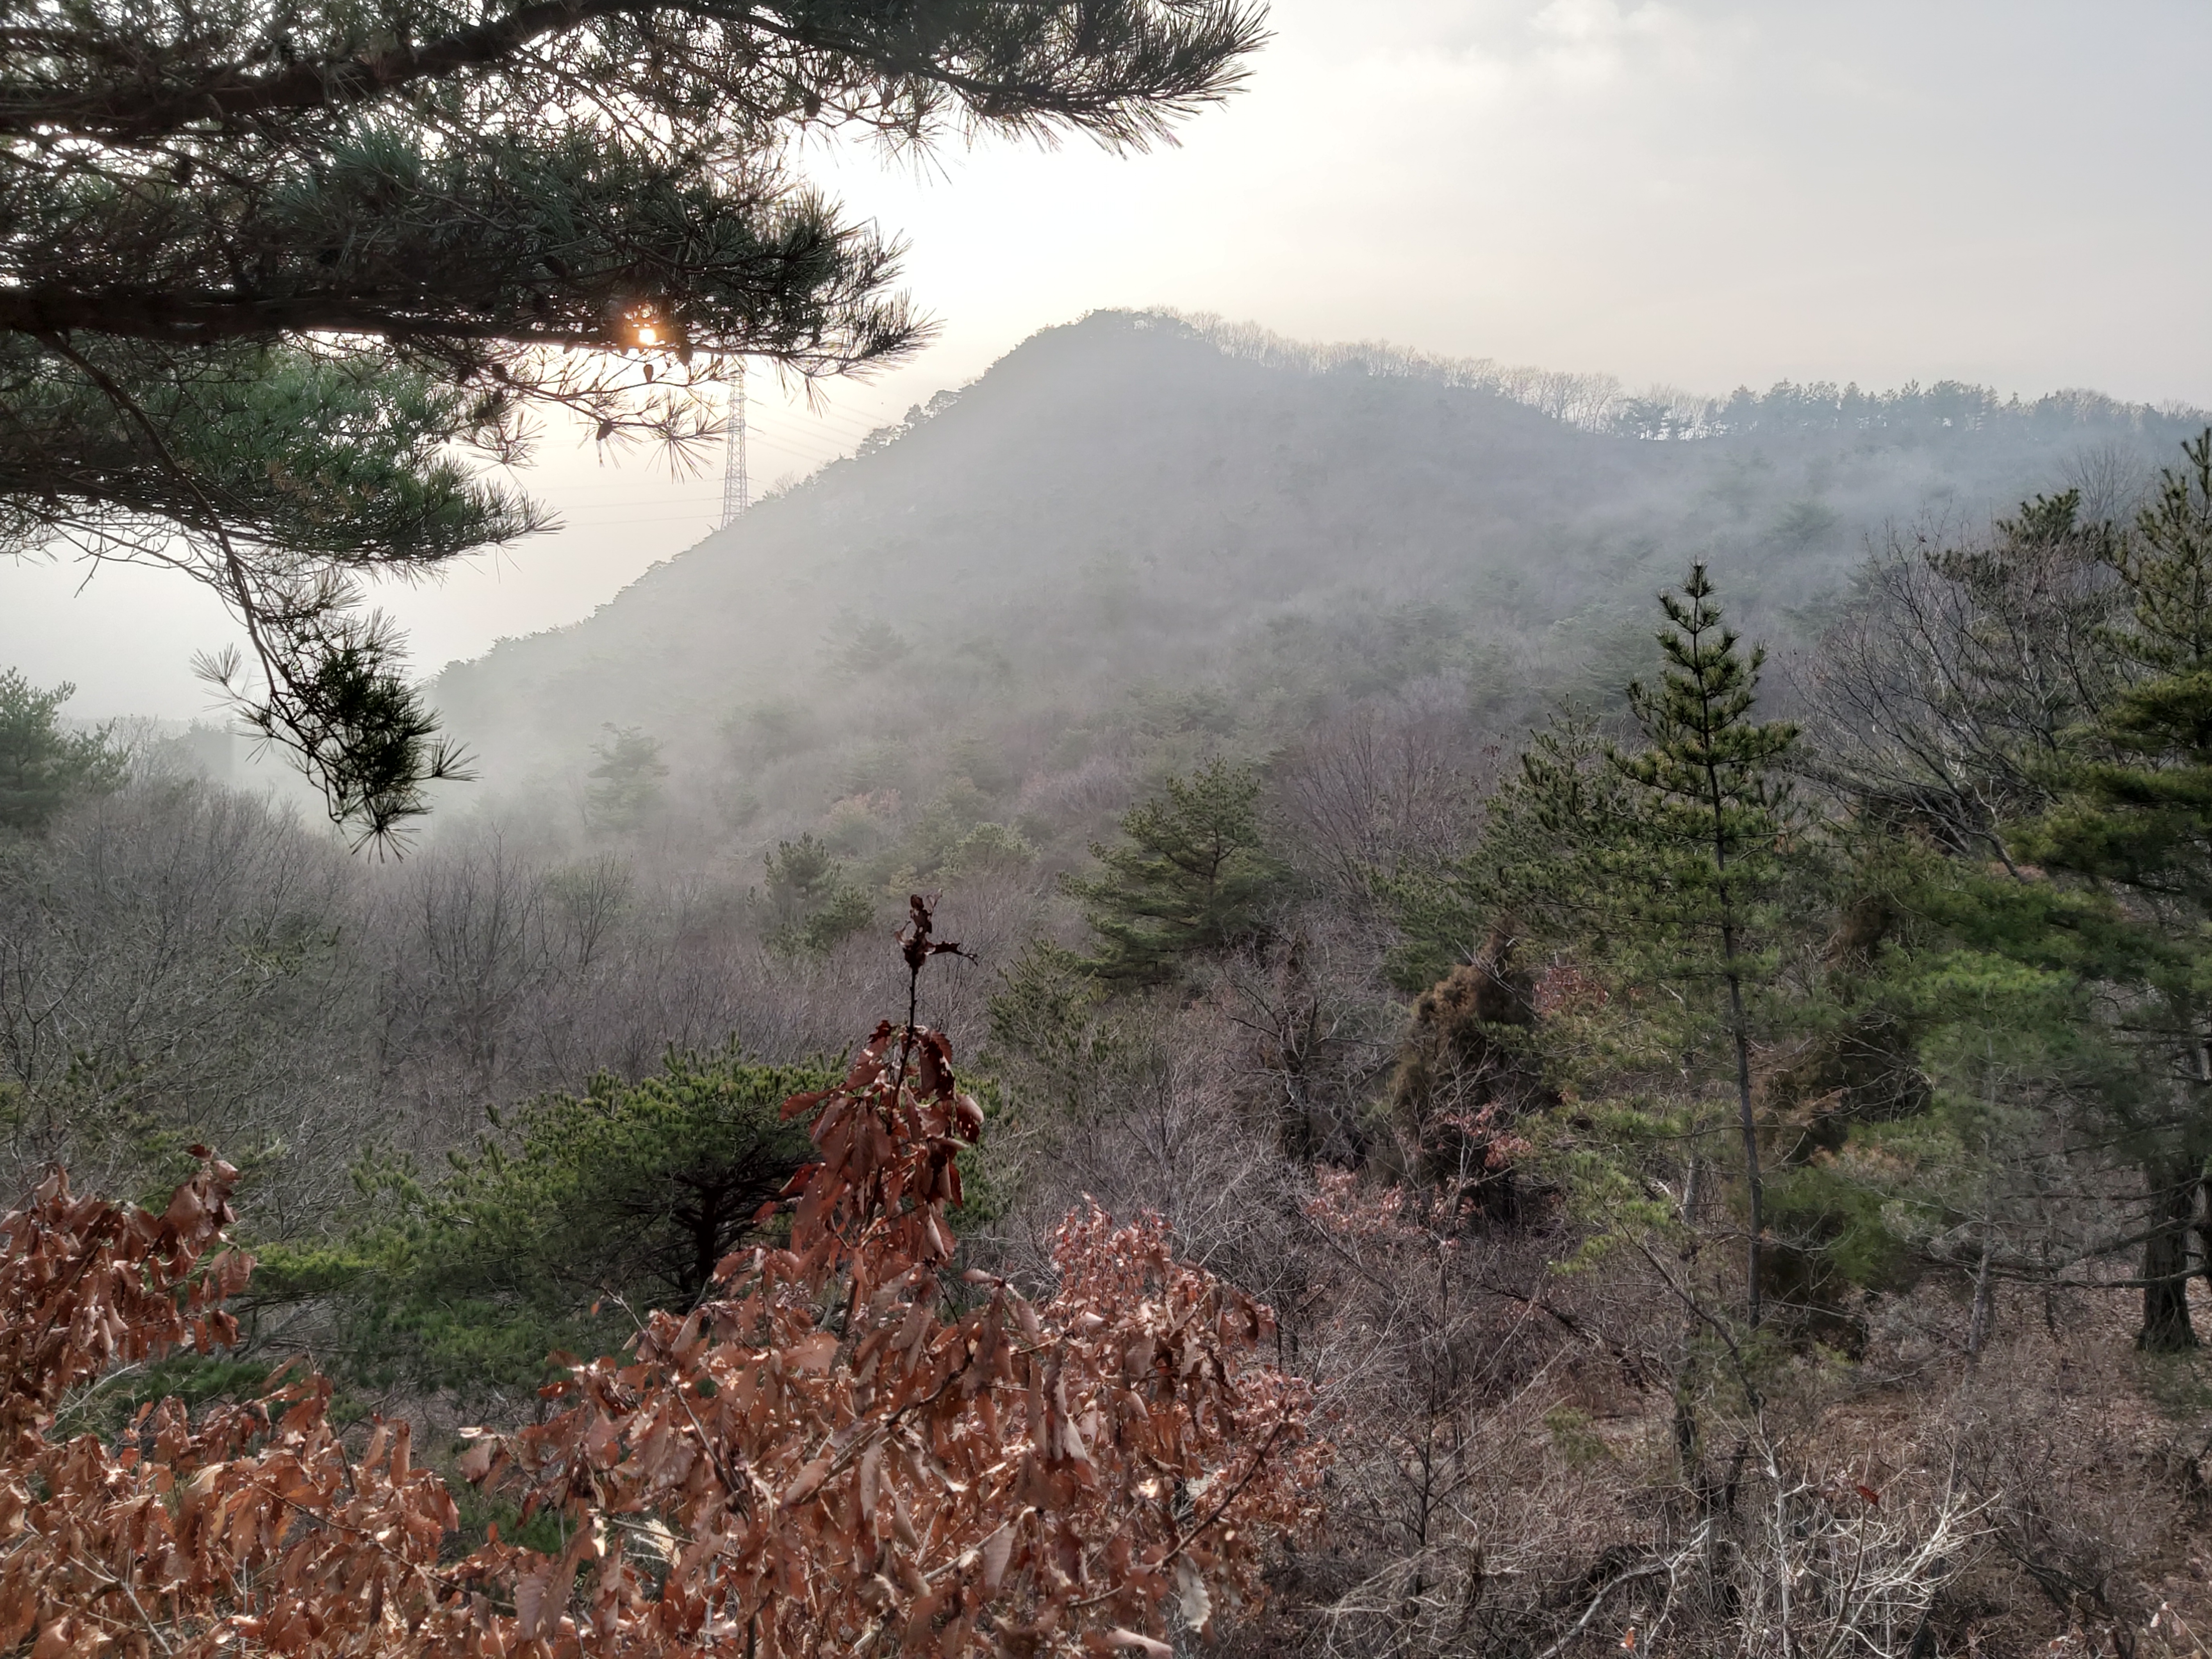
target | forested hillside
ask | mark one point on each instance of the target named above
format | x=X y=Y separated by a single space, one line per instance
x=1300 y=999
x=1138 y=517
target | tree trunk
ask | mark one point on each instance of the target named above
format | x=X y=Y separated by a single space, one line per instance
x=2166 y=1266
x=1689 y=1446
x=1750 y=1125
x=1984 y=1314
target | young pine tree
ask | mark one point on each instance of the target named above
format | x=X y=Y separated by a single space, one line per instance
x=1702 y=851
x=813 y=902
x=1193 y=874
x=629 y=1192
x=626 y=783
x=1656 y=874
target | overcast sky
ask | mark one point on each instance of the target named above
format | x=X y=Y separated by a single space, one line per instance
x=1699 y=192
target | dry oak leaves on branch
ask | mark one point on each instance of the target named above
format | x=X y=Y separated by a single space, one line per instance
x=817 y=1461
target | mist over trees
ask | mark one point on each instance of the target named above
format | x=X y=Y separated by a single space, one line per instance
x=1578 y=1025
x=1138 y=508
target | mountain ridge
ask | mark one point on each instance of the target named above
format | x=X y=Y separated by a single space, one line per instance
x=1141 y=496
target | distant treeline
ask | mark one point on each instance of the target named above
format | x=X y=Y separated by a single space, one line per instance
x=1600 y=403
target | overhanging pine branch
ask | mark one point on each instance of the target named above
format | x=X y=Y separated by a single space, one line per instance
x=1193 y=61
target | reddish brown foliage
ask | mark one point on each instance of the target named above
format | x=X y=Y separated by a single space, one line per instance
x=87 y=1285
x=250 y=1527
x=820 y=1460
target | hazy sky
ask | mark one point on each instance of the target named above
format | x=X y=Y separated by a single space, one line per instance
x=1700 y=192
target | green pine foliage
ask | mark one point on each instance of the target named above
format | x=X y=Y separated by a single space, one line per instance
x=1698 y=868
x=1192 y=875
x=1674 y=873
x=1541 y=819
x=626 y=782
x=43 y=768
x=1934 y=1121
x=1701 y=824
x=576 y=1217
x=2138 y=787
x=1054 y=1042
x=2031 y=811
x=813 y=903
x=2134 y=820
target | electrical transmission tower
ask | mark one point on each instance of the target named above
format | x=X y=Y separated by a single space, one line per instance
x=737 y=483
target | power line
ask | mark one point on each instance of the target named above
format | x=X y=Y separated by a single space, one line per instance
x=633 y=486
x=737 y=485
x=811 y=439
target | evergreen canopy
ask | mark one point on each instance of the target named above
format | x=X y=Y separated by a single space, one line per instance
x=1710 y=816
x=1191 y=874
x=41 y=765
x=266 y=264
x=1668 y=866
x=2135 y=819
x=627 y=1194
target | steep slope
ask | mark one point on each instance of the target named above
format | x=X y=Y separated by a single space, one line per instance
x=1134 y=499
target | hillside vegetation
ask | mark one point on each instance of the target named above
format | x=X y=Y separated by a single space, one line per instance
x=1578 y=1025
x=1138 y=526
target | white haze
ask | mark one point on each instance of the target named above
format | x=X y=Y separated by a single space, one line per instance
x=1703 y=194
